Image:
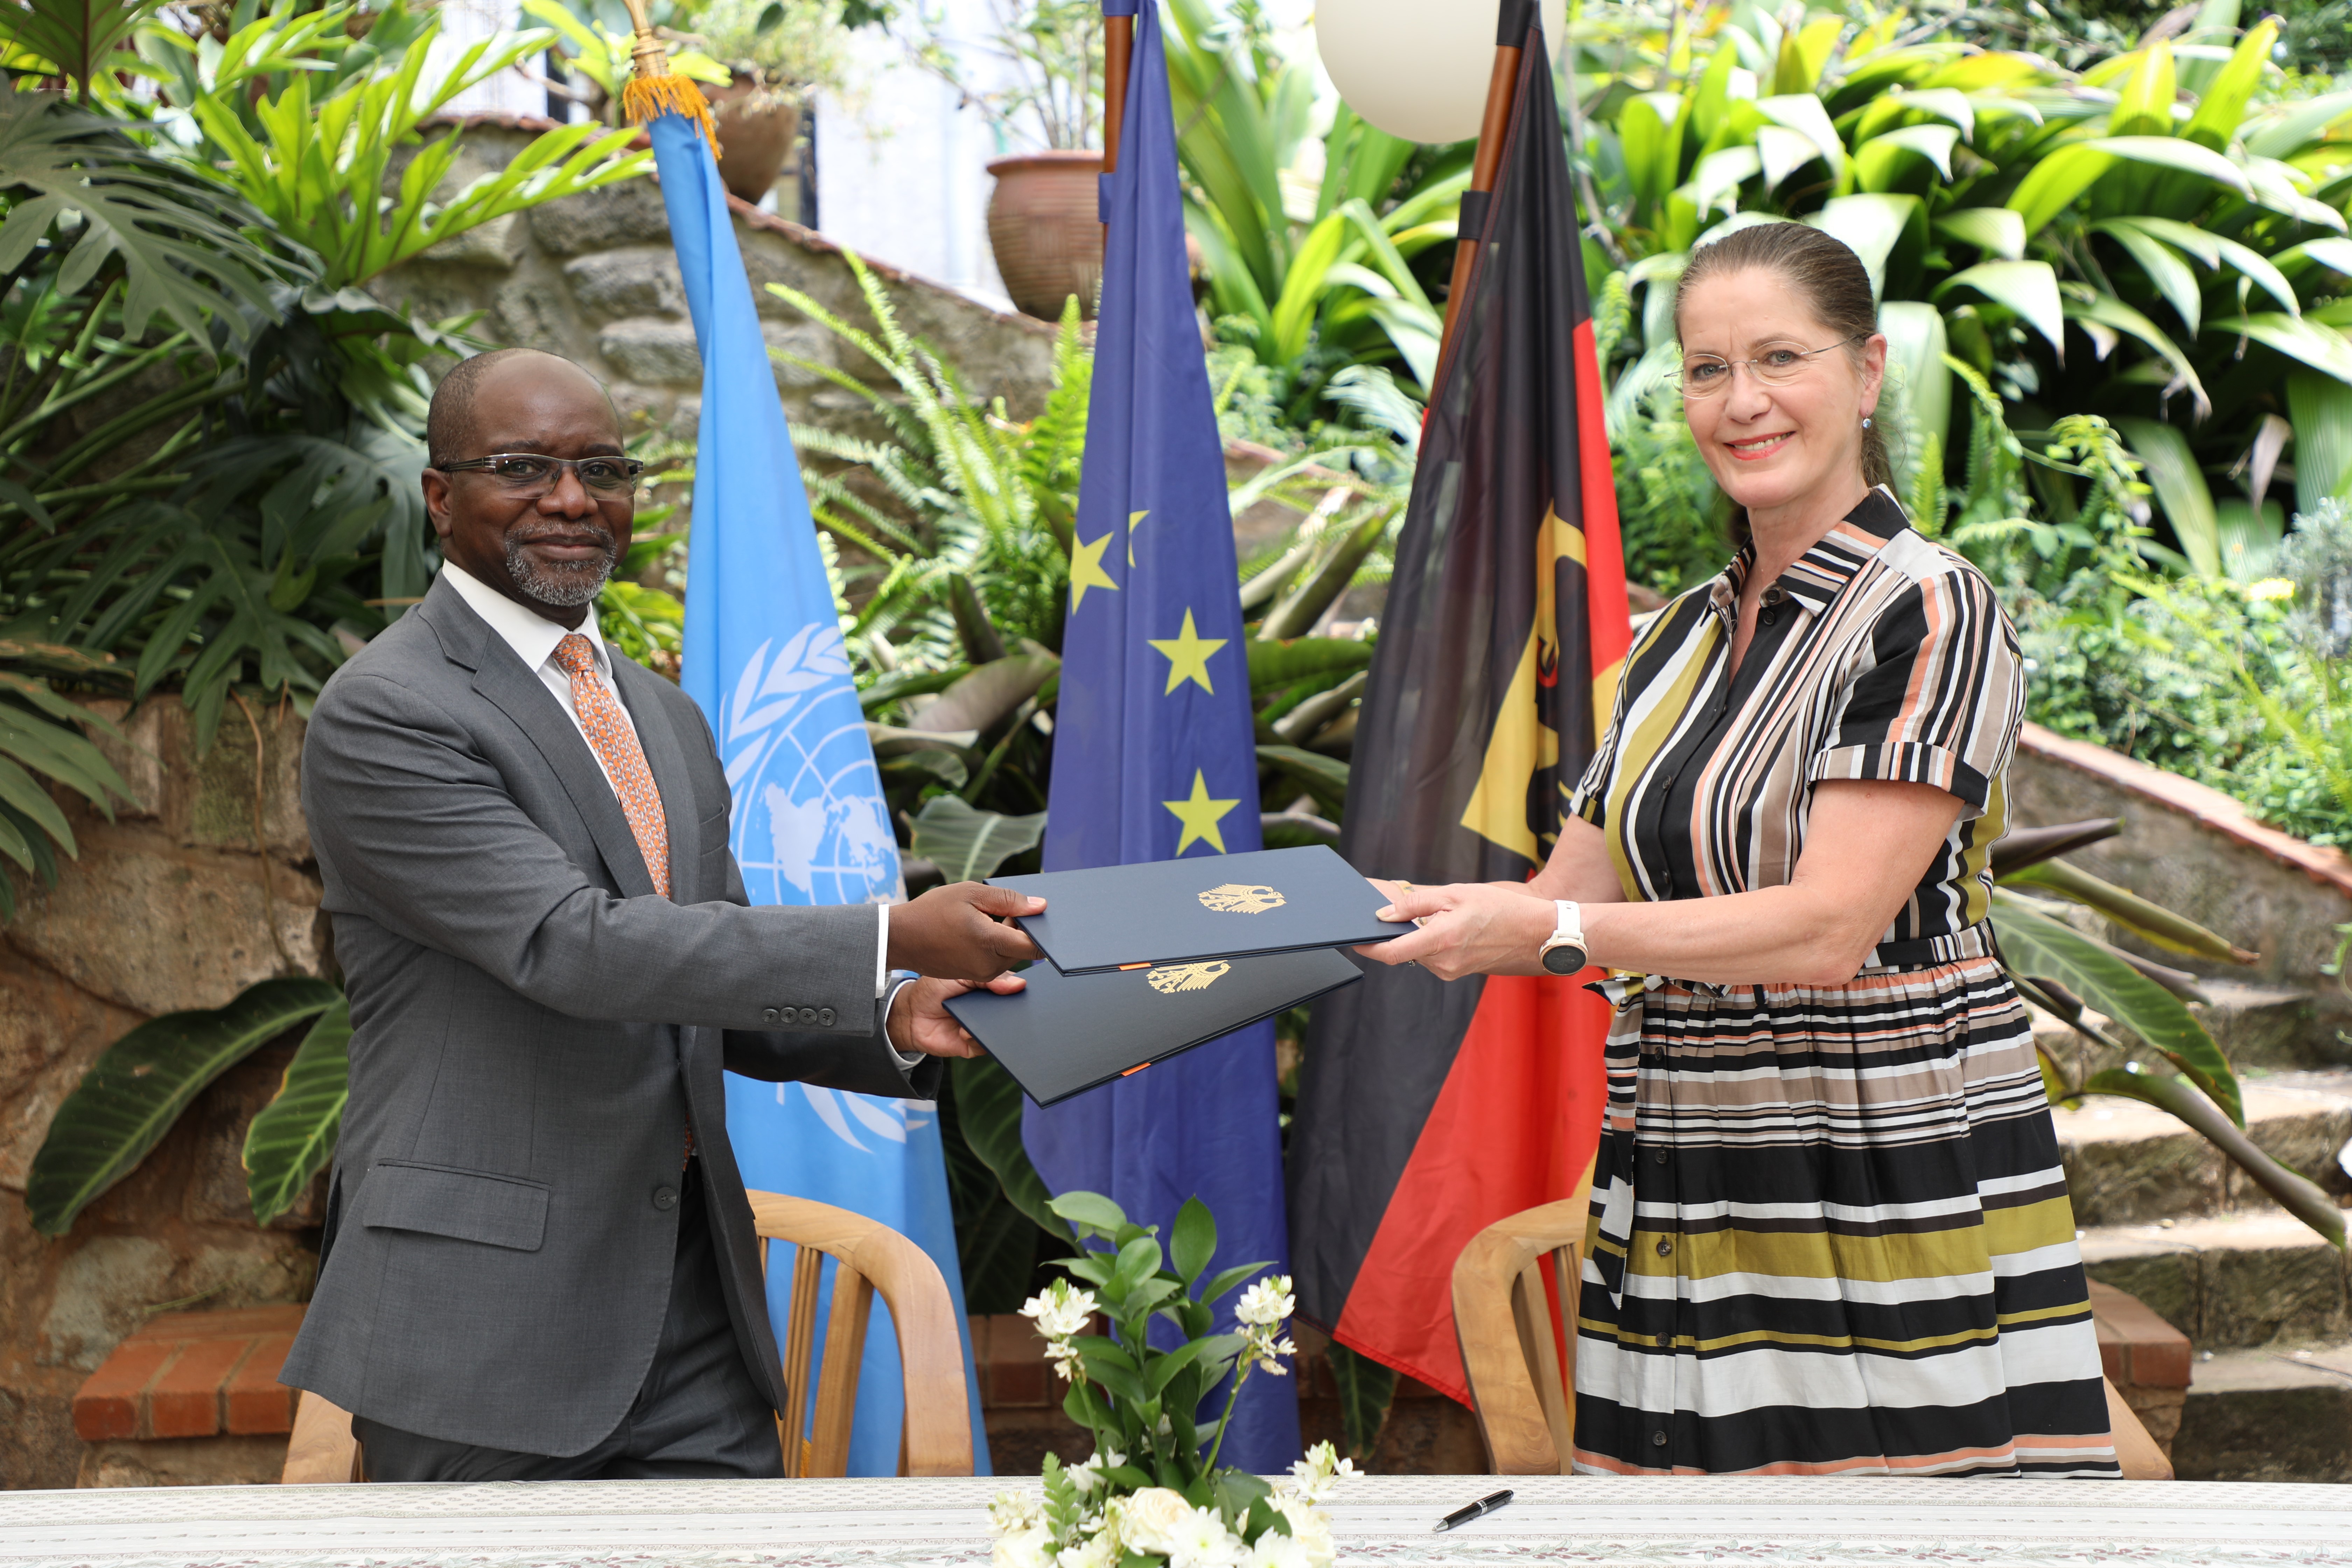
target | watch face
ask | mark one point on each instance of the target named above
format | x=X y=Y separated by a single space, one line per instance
x=1565 y=959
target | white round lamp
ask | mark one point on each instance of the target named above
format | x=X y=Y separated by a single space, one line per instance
x=1418 y=69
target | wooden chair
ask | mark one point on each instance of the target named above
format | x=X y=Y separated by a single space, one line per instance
x=1525 y=1398
x=936 y=1437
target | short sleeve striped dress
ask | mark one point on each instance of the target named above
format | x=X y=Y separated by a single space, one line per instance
x=1830 y=1234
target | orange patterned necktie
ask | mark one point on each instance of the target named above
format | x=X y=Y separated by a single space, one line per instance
x=616 y=747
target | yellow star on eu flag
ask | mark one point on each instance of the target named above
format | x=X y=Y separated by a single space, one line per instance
x=1188 y=657
x=1199 y=815
x=1087 y=570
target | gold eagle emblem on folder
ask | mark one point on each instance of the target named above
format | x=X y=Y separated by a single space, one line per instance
x=1169 y=978
x=1241 y=899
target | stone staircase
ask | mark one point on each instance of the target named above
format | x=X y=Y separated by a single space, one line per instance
x=2265 y=1302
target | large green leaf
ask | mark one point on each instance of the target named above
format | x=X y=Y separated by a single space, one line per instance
x=988 y=1110
x=1997 y=231
x=170 y=224
x=293 y=1138
x=1275 y=665
x=2180 y=488
x=2151 y=923
x=2320 y=408
x=1916 y=343
x=2028 y=288
x=967 y=845
x=985 y=698
x=137 y=1089
x=2034 y=945
x=76 y=36
x=2320 y=347
x=2164 y=269
x=2066 y=173
x=2294 y=1192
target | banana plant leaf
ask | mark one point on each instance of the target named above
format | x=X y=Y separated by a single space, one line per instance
x=968 y=845
x=2295 y=1193
x=1272 y=666
x=137 y=1089
x=2034 y=945
x=2151 y=923
x=982 y=698
x=2031 y=846
x=293 y=1138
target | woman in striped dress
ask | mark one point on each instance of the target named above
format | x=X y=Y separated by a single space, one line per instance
x=1829 y=1232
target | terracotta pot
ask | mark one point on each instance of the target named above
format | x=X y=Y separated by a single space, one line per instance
x=1043 y=225
x=757 y=127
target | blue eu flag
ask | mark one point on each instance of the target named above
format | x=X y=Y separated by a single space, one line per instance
x=1153 y=744
x=765 y=658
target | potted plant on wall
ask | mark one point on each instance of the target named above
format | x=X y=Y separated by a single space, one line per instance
x=1036 y=73
x=778 y=51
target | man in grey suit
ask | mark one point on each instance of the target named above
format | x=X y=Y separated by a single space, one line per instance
x=539 y=1262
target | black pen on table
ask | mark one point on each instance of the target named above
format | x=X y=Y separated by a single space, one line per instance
x=1464 y=1515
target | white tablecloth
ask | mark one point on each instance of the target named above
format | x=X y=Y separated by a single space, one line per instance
x=1379 y=1520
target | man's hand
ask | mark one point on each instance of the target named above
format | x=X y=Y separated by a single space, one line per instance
x=957 y=932
x=920 y=1020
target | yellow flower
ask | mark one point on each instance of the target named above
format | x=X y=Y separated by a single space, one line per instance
x=2271 y=588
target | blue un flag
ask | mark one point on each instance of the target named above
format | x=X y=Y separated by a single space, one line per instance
x=765 y=658
x=1153 y=744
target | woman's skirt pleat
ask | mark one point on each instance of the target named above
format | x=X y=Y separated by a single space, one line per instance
x=1829 y=1236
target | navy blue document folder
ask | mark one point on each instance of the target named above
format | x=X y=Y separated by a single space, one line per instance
x=1213 y=906
x=1070 y=1031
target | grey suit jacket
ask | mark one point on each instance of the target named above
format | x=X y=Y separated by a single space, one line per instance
x=532 y=1028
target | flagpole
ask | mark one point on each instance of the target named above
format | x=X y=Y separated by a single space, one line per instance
x=1118 y=48
x=1502 y=89
x=654 y=89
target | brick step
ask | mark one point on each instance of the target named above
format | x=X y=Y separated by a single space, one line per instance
x=2128 y=1164
x=2268 y=1416
x=2240 y=1281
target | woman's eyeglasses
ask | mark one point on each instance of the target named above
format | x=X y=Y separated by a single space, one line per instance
x=1704 y=375
x=530 y=474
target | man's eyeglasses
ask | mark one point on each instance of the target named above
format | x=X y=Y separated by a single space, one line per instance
x=1704 y=375
x=530 y=474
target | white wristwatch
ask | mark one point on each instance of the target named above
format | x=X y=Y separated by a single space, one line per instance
x=1563 y=951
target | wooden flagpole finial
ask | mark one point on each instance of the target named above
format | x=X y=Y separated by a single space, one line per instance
x=654 y=89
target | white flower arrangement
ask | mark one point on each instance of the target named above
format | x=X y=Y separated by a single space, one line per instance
x=1149 y=1495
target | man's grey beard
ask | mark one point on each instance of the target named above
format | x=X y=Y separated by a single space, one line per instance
x=567 y=585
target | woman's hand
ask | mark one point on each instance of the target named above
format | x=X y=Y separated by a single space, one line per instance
x=1467 y=928
x=920 y=1020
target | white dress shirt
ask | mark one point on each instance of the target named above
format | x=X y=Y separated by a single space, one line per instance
x=535 y=638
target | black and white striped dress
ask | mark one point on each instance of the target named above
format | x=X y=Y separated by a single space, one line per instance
x=1830 y=1234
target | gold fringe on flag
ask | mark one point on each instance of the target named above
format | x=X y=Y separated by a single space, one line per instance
x=654 y=89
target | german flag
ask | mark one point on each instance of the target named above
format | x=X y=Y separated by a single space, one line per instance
x=1428 y=1110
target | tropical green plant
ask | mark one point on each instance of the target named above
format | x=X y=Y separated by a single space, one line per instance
x=135 y=1091
x=2073 y=976
x=2151 y=239
x=599 y=50
x=1309 y=289
x=43 y=739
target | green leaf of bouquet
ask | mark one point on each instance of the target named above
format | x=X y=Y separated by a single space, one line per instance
x=138 y=1087
x=1138 y=1261
x=1192 y=1244
x=1120 y=1380
x=293 y=1138
x=1231 y=1277
x=1100 y=1350
x=1091 y=1210
x=1149 y=1293
x=1160 y=1369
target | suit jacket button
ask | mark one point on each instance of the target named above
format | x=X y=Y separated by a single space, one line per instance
x=808 y=1018
x=664 y=1197
x=825 y=1017
x=772 y=1016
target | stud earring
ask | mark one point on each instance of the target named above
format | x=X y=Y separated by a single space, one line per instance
x=1865 y=424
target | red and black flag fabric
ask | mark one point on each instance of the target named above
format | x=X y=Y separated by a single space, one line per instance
x=1428 y=1110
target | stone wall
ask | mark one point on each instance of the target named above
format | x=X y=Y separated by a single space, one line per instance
x=593 y=278
x=166 y=909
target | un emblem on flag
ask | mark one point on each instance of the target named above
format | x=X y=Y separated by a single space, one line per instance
x=1169 y=978
x=1239 y=898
